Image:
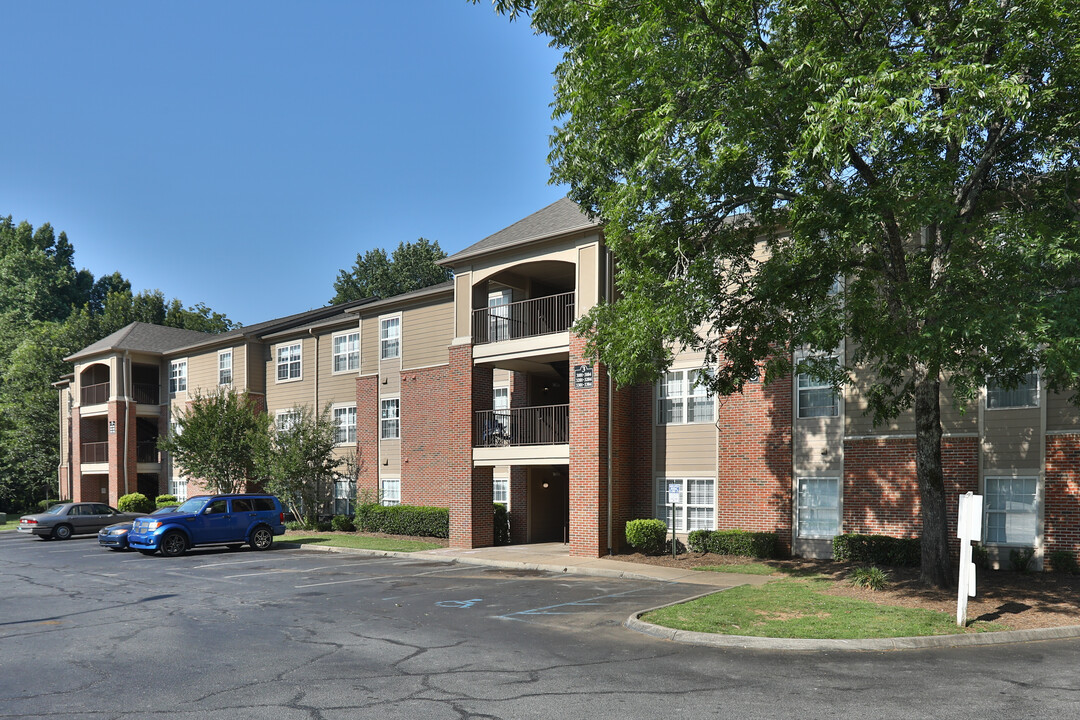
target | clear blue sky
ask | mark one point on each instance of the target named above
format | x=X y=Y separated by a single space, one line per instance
x=240 y=153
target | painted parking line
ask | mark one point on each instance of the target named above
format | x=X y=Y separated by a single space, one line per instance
x=305 y=570
x=556 y=609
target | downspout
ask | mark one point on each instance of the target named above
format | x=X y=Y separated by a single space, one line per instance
x=608 y=291
x=315 y=398
x=127 y=414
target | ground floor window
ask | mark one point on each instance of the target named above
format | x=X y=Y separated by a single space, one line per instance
x=696 y=509
x=1011 y=508
x=344 y=495
x=178 y=487
x=390 y=489
x=819 y=507
x=501 y=490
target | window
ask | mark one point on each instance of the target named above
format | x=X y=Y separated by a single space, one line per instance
x=344 y=496
x=500 y=403
x=391 y=491
x=177 y=376
x=500 y=492
x=696 y=509
x=819 y=507
x=389 y=338
x=499 y=315
x=817 y=397
x=345 y=425
x=680 y=399
x=224 y=364
x=346 y=352
x=178 y=487
x=389 y=422
x=285 y=420
x=1010 y=507
x=1026 y=394
x=288 y=362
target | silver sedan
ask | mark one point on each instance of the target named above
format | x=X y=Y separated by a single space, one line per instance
x=63 y=520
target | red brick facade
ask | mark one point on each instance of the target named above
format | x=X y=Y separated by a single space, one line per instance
x=468 y=389
x=1061 y=515
x=425 y=428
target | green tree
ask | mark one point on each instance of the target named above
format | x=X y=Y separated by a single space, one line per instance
x=743 y=155
x=217 y=440
x=374 y=274
x=300 y=464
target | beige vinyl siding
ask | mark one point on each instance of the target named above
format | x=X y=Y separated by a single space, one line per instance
x=587 y=279
x=1061 y=413
x=292 y=393
x=389 y=458
x=953 y=421
x=818 y=446
x=389 y=379
x=369 y=346
x=500 y=376
x=1011 y=438
x=202 y=373
x=426 y=332
x=254 y=366
x=685 y=449
x=339 y=388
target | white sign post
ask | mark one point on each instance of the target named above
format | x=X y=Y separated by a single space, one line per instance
x=968 y=528
x=674 y=491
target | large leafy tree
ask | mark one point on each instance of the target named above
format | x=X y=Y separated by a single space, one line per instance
x=375 y=274
x=746 y=153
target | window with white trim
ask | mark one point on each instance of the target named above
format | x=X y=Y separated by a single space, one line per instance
x=177 y=376
x=818 y=507
x=499 y=315
x=390 y=490
x=285 y=420
x=346 y=352
x=681 y=399
x=696 y=509
x=1025 y=394
x=390 y=419
x=500 y=491
x=224 y=364
x=817 y=397
x=344 y=495
x=389 y=338
x=1010 y=510
x=500 y=403
x=178 y=487
x=177 y=483
x=288 y=362
x=345 y=425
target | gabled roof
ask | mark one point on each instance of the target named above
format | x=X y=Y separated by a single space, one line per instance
x=559 y=218
x=143 y=337
x=259 y=330
x=430 y=290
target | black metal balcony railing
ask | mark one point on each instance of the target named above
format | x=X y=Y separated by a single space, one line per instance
x=95 y=394
x=526 y=318
x=146 y=393
x=95 y=452
x=541 y=425
x=146 y=451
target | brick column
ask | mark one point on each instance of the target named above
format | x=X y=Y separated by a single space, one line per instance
x=471 y=510
x=121 y=452
x=588 y=459
x=519 y=509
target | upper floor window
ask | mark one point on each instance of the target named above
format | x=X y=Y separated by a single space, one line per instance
x=817 y=396
x=681 y=399
x=345 y=425
x=389 y=338
x=224 y=362
x=285 y=420
x=389 y=419
x=177 y=376
x=1026 y=394
x=288 y=362
x=347 y=352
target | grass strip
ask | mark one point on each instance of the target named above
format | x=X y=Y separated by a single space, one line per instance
x=9 y=522
x=361 y=542
x=741 y=568
x=798 y=608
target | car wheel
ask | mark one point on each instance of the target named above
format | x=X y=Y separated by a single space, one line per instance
x=148 y=552
x=262 y=538
x=62 y=532
x=235 y=546
x=174 y=544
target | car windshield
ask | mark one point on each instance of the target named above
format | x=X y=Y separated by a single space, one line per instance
x=165 y=510
x=193 y=505
x=55 y=510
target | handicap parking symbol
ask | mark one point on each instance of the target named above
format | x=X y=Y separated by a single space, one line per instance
x=458 y=603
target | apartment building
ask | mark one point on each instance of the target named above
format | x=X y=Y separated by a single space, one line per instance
x=477 y=391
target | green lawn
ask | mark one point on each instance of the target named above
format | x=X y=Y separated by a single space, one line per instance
x=10 y=522
x=797 y=608
x=752 y=568
x=363 y=542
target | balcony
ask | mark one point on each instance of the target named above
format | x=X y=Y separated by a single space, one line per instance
x=515 y=427
x=146 y=451
x=523 y=319
x=95 y=394
x=95 y=452
x=146 y=393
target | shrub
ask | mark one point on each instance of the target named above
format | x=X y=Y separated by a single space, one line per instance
x=734 y=542
x=1020 y=559
x=871 y=577
x=294 y=525
x=414 y=520
x=502 y=524
x=166 y=501
x=980 y=556
x=342 y=523
x=1063 y=561
x=647 y=535
x=698 y=540
x=44 y=505
x=134 y=502
x=877 y=550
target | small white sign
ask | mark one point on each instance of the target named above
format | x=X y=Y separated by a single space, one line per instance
x=674 y=492
x=968 y=528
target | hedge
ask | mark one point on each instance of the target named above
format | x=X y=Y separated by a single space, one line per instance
x=416 y=520
x=877 y=550
x=134 y=502
x=166 y=501
x=647 y=535
x=734 y=542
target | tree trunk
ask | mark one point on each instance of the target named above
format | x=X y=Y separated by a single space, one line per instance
x=936 y=564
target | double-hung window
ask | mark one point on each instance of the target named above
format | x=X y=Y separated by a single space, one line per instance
x=345 y=425
x=389 y=338
x=696 y=509
x=500 y=492
x=389 y=419
x=390 y=489
x=1011 y=510
x=224 y=363
x=288 y=362
x=346 y=352
x=819 y=507
x=817 y=396
x=1025 y=394
x=177 y=376
x=285 y=420
x=499 y=315
x=682 y=399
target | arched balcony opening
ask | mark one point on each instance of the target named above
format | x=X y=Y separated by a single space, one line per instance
x=527 y=300
x=94 y=381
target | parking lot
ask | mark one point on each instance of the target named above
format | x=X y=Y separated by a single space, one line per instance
x=85 y=632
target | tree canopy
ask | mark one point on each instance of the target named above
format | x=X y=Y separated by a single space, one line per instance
x=375 y=274
x=744 y=155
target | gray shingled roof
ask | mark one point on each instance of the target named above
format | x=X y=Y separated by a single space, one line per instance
x=143 y=337
x=558 y=218
x=435 y=289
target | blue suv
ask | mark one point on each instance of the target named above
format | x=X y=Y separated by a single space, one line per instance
x=211 y=520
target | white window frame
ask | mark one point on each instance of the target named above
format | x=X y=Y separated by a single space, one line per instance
x=815 y=385
x=390 y=490
x=350 y=354
x=284 y=357
x=993 y=390
x=344 y=415
x=177 y=482
x=499 y=302
x=500 y=490
x=393 y=421
x=222 y=379
x=177 y=376
x=386 y=337
x=284 y=420
x=676 y=389
x=682 y=509
x=802 y=506
x=1034 y=512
